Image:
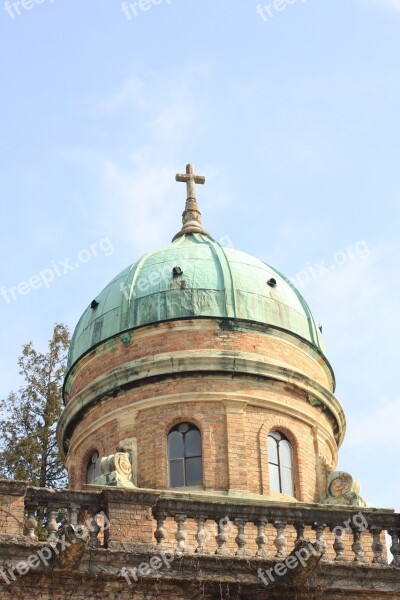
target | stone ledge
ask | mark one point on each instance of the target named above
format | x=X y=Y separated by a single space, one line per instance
x=13 y=487
x=372 y=582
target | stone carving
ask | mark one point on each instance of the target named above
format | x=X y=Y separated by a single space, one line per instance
x=342 y=489
x=116 y=470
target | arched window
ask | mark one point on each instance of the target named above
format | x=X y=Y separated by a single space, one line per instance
x=184 y=456
x=93 y=467
x=280 y=456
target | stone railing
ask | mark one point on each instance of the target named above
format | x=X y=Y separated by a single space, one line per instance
x=47 y=510
x=200 y=524
x=272 y=531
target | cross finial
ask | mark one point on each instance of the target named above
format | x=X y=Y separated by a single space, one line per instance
x=191 y=217
x=190 y=179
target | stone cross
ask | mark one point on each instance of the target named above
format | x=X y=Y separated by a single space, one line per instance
x=190 y=179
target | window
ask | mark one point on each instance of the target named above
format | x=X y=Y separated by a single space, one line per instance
x=280 y=454
x=93 y=468
x=184 y=456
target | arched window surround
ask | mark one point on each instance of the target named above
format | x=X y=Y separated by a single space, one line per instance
x=298 y=475
x=185 y=454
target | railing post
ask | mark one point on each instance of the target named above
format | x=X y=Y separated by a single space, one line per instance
x=261 y=539
x=221 y=538
x=300 y=528
x=31 y=521
x=241 y=538
x=94 y=528
x=395 y=547
x=201 y=535
x=180 y=534
x=377 y=546
x=319 y=529
x=280 y=540
x=357 y=547
x=159 y=533
x=73 y=514
x=51 y=525
x=338 y=545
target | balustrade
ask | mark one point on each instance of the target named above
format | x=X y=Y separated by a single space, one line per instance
x=46 y=511
x=247 y=531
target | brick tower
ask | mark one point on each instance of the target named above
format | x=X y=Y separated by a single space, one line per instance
x=202 y=336
x=201 y=435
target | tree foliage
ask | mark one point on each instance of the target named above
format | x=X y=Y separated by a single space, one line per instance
x=28 y=419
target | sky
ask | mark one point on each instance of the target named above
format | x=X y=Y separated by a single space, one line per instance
x=290 y=109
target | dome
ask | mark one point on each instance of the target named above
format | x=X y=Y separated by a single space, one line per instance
x=194 y=277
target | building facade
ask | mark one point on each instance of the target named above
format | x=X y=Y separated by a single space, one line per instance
x=201 y=436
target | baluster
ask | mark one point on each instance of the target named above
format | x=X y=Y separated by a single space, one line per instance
x=241 y=538
x=180 y=535
x=357 y=547
x=31 y=522
x=94 y=528
x=280 y=540
x=377 y=546
x=395 y=547
x=201 y=535
x=73 y=514
x=338 y=545
x=261 y=539
x=300 y=528
x=221 y=537
x=159 y=533
x=319 y=529
x=51 y=526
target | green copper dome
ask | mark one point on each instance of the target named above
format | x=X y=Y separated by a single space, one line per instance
x=192 y=277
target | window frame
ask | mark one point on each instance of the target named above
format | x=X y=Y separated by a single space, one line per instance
x=282 y=438
x=184 y=459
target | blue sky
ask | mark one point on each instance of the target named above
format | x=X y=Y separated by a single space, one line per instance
x=293 y=117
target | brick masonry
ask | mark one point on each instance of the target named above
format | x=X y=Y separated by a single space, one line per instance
x=234 y=411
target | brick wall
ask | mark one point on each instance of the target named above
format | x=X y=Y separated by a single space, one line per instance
x=12 y=509
x=234 y=411
x=234 y=435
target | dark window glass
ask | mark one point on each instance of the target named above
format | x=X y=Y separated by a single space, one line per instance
x=176 y=472
x=280 y=456
x=194 y=474
x=185 y=456
x=175 y=445
x=193 y=443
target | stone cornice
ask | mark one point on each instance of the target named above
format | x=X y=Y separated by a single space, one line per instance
x=202 y=323
x=198 y=362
